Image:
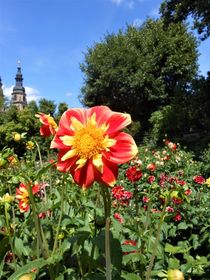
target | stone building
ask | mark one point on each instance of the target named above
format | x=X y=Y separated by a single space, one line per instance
x=18 y=94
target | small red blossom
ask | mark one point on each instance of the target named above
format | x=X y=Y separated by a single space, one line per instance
x=9 y=257
x=130 y=243
x=145 y=199
x=178 y=217
x=188 y=192
x=171 y=145
x=177 y=200
x=151 y=179
x=167 y=157
x=169 y=209
x=121 y=194
x=133 y=174
x=151 y=167
x=43 y=215
x=49 y=126
x=118 y=217
x=199 y=179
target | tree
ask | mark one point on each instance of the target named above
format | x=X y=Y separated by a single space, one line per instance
x=47 y=106
x=138 y=70
x=62 y=107
x=176 y=11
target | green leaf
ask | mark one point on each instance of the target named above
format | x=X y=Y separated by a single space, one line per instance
x=20 y=248
x=36 y=264
x=130 y=276
x=43 y=170
x=173 y=263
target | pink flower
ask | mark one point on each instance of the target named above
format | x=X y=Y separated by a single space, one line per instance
x=169 y=209
x=118 y=217
x=199 y=179
x=133 y=174
x=151 y=179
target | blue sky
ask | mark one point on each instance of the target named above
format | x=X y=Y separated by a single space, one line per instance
x=50 y=38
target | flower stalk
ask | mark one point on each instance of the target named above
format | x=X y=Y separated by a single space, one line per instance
x=107 y=210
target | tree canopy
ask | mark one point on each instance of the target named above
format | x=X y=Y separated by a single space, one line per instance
x=138 y=70
x=176 y=11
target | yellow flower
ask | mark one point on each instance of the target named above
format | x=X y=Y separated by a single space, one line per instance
x=30 y=145
x=208 y=182
x=26 y=277
x=175 y=274
x=6 y=198
x=17 y=137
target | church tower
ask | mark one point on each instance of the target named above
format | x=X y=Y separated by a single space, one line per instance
x=1 y=89
x=18 y=94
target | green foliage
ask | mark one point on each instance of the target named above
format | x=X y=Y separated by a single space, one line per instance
x=138 y=70
x=176 y=11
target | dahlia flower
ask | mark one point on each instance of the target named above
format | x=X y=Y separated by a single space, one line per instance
x=91 y=144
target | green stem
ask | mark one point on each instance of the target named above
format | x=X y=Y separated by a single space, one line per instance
x=37 y=227
x=157 y=239
x=107 y=210
x=9 y=234
x=39 y=153
x=60 y=218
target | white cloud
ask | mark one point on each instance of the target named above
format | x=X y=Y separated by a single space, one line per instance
x=137 y=22
x=31 y=93
x=69 y=94
x=155 y=13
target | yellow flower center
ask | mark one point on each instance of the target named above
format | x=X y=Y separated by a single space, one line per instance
x=88 y=142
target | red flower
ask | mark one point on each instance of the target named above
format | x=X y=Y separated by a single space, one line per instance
x=151 y=167
x=188 y=192
x=49 y=126
x=177 y=200
x=178 y=217
x=118 y=217
x=169 y=209
x=199 y=179
x=123 y=196
x=151 y=179
x=145 y=199
x=130 y=243
x=23 y=196
x=171 y=145
x=91 y=144
x=133 y=174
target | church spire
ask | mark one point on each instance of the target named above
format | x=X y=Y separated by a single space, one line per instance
x=1 y=89
x=19 y=76
x=18 y=94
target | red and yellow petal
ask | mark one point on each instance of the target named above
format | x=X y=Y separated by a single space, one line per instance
x=84 y=176
x=64 y=166
x=110 y=173
x=45 y=130
x=123 y=151
x=117 y=121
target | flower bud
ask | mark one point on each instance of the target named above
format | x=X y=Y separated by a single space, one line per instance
x=175 y=274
